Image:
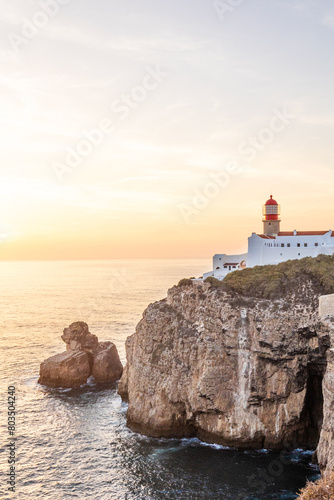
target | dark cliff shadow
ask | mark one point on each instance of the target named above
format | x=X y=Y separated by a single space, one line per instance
x=312 y=414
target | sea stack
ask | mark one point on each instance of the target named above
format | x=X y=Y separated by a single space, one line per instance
x=84 y=356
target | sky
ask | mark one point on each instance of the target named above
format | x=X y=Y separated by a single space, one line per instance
x=158 y=129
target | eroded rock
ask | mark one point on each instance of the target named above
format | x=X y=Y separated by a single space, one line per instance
x=84 y=356
x=325 y=450
x=107 y=366
x=78 y=337
x=68 y=369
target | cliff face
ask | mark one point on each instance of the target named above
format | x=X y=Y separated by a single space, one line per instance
x=237 y=371
x=325 y=449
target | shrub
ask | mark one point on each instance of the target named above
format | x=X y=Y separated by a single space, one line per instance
x=275 y=281
x=185 y=282
x=213 y=282
x=323 y=489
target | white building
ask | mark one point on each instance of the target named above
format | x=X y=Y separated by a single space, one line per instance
x=274 y=246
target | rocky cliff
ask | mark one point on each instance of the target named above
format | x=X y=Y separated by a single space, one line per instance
x=325 y=451
x=242 y=363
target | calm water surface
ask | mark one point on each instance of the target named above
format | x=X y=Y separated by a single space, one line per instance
x=75 y=443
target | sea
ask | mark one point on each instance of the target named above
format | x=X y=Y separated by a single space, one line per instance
x=74 y=443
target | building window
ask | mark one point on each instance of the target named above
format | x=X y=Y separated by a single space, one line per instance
x=316 y=244
x=282 y=245
x=217 y=267
x=305 y=244
x=281 y=254
x=299 y=254
x=225 y=267
x=288 y=245
x=298 y=245
x=220 y=258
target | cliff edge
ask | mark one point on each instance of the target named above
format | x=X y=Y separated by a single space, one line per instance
x=244 y=362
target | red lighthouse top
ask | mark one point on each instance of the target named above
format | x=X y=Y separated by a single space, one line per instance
x=271 y=209
x=271 y=201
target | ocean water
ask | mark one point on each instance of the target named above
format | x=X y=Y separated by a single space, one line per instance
x=74 y=443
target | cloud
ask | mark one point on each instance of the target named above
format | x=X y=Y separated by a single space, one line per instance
x=328 y=20
x=145 y=44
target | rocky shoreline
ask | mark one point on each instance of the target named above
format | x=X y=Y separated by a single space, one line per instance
x=239 y=370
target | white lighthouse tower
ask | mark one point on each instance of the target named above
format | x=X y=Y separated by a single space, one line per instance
x=271 y=221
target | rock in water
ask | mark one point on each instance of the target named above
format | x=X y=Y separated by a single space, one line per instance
x=68 y=369
x=84 y=356
x=107 y=366
x=123 y=385
x=78 y=337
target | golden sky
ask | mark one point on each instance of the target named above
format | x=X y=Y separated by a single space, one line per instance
x=159 y=129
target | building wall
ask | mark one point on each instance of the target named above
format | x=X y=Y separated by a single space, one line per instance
x=326 y=305
x=219 y=260
x=273 y=251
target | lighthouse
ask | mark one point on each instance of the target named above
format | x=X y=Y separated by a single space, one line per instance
x=271 y=221
x=273 y=245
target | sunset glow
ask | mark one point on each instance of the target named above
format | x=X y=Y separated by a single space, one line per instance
x=159 y=129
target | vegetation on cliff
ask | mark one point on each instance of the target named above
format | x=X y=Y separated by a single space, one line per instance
x=185 y=282
x=323 y=489
x=276 y=281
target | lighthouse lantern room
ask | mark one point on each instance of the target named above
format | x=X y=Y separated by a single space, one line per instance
x=271 y=221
